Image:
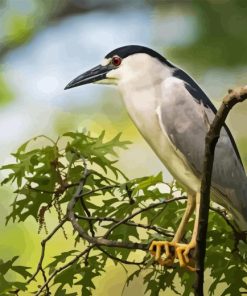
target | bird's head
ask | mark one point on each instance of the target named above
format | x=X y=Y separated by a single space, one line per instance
x=124 y=64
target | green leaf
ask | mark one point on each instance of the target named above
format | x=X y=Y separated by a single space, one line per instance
x=61 y=258
x=22 y=270
x=5 y=285
x=88 y=273
x=132 y=276
x=124 y=233
x=6 y=266
x=62 y=292
x=66 y=276
x=47 y=178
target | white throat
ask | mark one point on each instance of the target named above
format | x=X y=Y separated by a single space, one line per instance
x=141 y=89
x=140 y=81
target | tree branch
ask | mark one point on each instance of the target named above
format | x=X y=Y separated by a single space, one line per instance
x=233 y=97
x=103 y=241
x=43 y=245
x=99 y=189
x=42 y=255
x=121 y=260
x=94 y=240
x=154 y=205
x=45 y=279
x=87 y=212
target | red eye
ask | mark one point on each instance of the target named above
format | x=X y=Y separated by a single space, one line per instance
x=116 y=61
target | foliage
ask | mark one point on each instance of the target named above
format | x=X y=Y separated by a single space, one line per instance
x=220 y=25
x=112 y=217
x=7 y=266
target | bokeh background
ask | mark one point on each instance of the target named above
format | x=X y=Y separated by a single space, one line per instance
x=45 y=44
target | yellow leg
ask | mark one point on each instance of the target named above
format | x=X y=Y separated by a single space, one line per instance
x=157 y=248
x=183 y=250
x=191 y=203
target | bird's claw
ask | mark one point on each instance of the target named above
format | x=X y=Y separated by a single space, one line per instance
x=159 y=248
x=184 y=256
x=173 y=250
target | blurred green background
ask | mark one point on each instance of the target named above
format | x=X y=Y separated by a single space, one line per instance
x=45 y=44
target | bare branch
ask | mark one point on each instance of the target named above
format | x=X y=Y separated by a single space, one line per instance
x=233 y=97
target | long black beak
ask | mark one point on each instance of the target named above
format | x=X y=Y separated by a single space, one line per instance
x=95 y=74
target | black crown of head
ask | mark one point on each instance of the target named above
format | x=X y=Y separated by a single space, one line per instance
x=128 y=50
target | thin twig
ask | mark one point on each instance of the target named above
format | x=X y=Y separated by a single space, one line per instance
x=87 y=212
x=104 y=177
x=237 y=235
x=71 y=185
x=43 y=245
x=56 y=271
x=99 y=189
x=81 y=185
x=42 y=255
x=121 y=260
x=84 y=204
x=45 y=279
x=158 y=214
x=223 y=215
x=130 y=223
x=40 y=190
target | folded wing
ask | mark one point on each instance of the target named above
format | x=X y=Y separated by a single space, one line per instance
x=185 y=115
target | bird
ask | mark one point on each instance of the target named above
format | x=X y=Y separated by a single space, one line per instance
x=173 y=114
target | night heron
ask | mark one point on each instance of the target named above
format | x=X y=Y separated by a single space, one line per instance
x=173 y=114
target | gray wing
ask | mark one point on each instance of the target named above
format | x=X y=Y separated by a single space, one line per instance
x=186 y=120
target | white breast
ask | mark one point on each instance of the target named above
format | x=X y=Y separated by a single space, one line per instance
x=143 y=108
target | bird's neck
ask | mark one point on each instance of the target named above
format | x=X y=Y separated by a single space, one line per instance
x=144 y=89
x=141 y=101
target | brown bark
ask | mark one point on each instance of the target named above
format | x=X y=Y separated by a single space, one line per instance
x=233 y=97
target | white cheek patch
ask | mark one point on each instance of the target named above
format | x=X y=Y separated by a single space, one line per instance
x=105 y=62
x=113 y=74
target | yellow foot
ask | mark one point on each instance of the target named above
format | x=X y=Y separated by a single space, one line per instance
x=159 y=248
x=182 y=253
